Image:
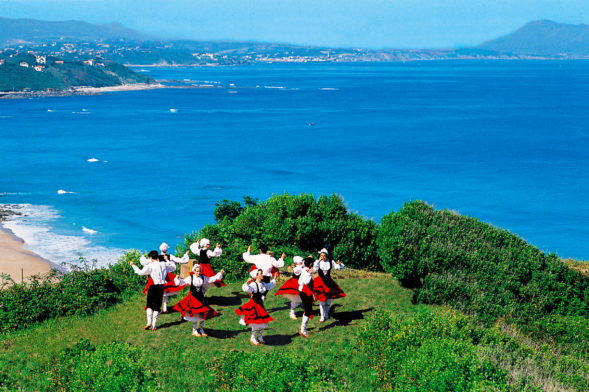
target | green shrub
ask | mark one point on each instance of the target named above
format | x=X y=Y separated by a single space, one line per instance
x=106 y=367
x=273 y=371
x=475 y=267
x=428 y=352
x=296 y=225
x=81 y=291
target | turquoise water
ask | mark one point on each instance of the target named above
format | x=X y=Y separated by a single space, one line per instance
x=506 y=142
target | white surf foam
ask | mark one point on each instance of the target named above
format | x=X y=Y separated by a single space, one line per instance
x=328 y=88
x=93 y=160
x=173 y=110
x=89 y=231
x=63 y=192
x=35 y=227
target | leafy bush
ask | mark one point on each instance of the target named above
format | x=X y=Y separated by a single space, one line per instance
x=273 y=371
x=79 y=292
x=297 y=225
x=428 y=352
x=475 y=267
x=106 y=367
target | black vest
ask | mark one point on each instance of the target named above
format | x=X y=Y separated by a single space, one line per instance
x=204 y=258
x=326 y=276
x=196 y=291
x=257 y=297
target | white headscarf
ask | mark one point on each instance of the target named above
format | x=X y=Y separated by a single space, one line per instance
x=323 y=251
x=297 y=260
x=164 y=247
x=204 y=242
x=194 y=267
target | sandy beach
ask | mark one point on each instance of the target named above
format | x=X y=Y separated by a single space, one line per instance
x=17 y=261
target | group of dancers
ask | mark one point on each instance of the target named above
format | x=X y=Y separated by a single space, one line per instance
x=301 y=289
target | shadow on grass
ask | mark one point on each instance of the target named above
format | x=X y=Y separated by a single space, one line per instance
x=279 y=340
x=226 y=301
x=170 y=323
x=345 y=318
x=278 y=308
x=225 y=334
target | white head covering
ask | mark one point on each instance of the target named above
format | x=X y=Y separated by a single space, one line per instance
x=194 y=248
x=194 y=267
x=297 y=260
x=164 y=247
x=323 y=251
x=204 y=242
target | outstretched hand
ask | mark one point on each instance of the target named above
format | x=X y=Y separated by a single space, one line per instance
x=283 y=256
x=250 y=280
x=338 y=262
x=218 y=245
x=249 y=248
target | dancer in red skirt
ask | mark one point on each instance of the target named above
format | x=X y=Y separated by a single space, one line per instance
x=306 y=293
x=170 y=288
x=326 y=290
x=290 y=288
x=203 y=250
x=193 y=307
x=253 y=312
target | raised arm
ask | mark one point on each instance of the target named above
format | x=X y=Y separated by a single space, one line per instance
x=214 y=278
x=215 y=253
x=338 y=265
x=247 y=288
x=280 y=262
x=180 y=260
x=145 y=271
x=316 y=266
x=178 y=281
x=248 y=257
x=170 y=266
x=270 y=286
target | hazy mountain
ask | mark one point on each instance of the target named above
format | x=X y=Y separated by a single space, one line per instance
x=544 y=38
x=14 y=31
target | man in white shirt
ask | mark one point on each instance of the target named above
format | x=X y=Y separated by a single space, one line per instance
x=264 y=261
x=157 y=270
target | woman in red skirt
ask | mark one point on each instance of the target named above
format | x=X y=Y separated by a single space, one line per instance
x=203 y=250
x=253 y=312
x=306 y=293
x=326 y=290
x=290 y=288
x=193 y=307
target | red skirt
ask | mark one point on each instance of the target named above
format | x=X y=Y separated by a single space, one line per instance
x=169 y=286
x=323 y=292
x=253 y=313
x=208 y=271
x=290 y=287
x=190 y=307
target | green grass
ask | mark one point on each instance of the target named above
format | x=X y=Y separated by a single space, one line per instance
x=521 y=362
x=182 y=358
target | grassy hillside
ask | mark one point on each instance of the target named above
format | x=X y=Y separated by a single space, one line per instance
x=58 y=74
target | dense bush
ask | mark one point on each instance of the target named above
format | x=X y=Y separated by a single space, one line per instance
x=454 y=259
x=273 y=371
x=79 y=292
x=297 y=225
x=450 y=351
x=106 y=367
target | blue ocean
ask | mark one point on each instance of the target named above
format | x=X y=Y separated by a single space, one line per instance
x=506 y=142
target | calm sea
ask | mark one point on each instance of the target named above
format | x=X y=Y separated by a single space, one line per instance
x=506 y=142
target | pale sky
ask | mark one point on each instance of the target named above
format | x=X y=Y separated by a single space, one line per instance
x=334 y=23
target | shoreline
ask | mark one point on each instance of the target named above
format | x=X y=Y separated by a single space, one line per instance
x=81 y=90
x=17 y=261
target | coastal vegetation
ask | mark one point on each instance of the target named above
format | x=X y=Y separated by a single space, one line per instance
x=435 y=301
x=29 y=72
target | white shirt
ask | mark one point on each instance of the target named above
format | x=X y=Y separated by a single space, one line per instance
x=199 y=280
x=305 y=278
x=157 y=270
x=324 y=265
x=264 y=262
x=253 y=286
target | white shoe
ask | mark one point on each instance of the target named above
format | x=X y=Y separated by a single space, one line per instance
x=322 y=320
x=196 y=333
x=293 y=316
x=254 y=341
x=202 y=332
x=242 y=321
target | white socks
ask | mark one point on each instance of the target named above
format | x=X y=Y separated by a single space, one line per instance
x=304 y=325
x=149 y=315
x=165 y=307
x=327 y=306
x=154 y=320
x=322 y=310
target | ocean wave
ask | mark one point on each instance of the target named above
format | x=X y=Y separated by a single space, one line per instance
x=173 y=110
x=328 y=88
x=63 y=192
x=93 y=160
x=34 y=225
x=89 y=231
x=275 y=87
